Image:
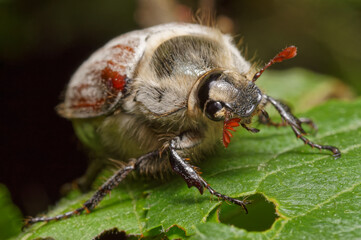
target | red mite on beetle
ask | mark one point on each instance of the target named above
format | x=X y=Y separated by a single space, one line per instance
x=162 y=95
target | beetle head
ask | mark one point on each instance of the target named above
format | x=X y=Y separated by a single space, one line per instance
x=231 y=96
x=223 y=93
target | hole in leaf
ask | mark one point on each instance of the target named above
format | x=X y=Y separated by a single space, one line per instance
x=174 y=232
x=261 y=214
x=112 y=234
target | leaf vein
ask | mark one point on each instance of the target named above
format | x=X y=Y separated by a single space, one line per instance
x=318 y=206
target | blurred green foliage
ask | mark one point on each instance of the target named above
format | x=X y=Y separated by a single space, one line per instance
x=10 y=217
x=327 y=33
x=48 y=27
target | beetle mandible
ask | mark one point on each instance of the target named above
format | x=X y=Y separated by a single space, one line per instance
x=164 y=94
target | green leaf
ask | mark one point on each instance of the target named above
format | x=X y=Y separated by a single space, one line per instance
x=316 y=196
x=303 y=89
x=10 y=217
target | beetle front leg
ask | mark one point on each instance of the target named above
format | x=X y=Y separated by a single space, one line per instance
x=191 y=175
x=295 y=124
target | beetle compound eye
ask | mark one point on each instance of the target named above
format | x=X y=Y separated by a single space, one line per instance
x=213 y=110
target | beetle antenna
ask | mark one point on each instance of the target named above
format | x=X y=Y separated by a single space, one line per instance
x=287 y=53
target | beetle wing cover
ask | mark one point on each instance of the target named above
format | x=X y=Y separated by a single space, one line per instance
x=99 y=84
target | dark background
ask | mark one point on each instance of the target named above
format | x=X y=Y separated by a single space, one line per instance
x=43 y=42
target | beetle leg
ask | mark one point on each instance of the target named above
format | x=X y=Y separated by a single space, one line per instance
x=108 y=186
x=295 y=124
x=180 y=165
x=191 y=175
x=225 y=197
x=309 y=122
x=253 y=130
x=265 y=119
